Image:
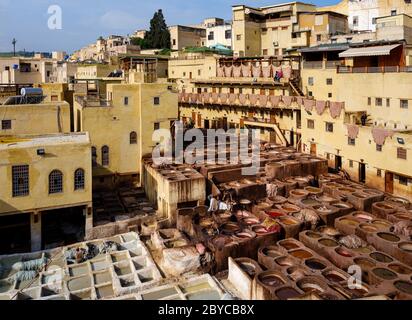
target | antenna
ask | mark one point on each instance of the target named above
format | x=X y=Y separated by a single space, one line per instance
x=14 y=46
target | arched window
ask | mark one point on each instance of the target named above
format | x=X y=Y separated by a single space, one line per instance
x=79 y=179
x=133 y=137
x=94 y=157
x=105 y=156
x=55 y=182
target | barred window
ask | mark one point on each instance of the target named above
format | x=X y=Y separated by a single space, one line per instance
x=55 y=182
x=401 y=153
x=105 y=155
x=351 y=141
x=5 y=124
x=20 y=178
x=378 y=147
x=79 y=179
x=329 y=127
x=133 y=137
x=311 y=124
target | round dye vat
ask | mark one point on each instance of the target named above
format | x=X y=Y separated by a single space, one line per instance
x=250 y=221
x=398 y=268
x=363 y=250
x=368 y=228
x=344 y=253
x=328 y=242
x=364 y=263
x=289 y=245
x=322 y=209
x=301 y=254
x=381 y=257
x=310 y=202
x=384 y=206
x=315 y=264
x=270 y=280
x=334 y=276
x=313 y=235
x=388 y=237
x=310 y=286
x=381 y=224
x=245 y=234
x=230 y=228
x=284 y=262
x=346 y=190
x=290 y=208
x=402 y=216
x=385 y=274
x=350 y=222
x=404 y=286
x=313 y=190
x=288 y=221
x=332 y=232
x=249 y=268
x=269 y=252
x=406 y=246
x=363 y=216
x=287 y=293
x=296 y=272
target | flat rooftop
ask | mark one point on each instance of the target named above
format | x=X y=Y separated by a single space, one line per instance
x=29 y=141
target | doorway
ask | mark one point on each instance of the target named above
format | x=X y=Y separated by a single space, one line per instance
x=15 y=233
x=207 y=124
x=388 y=182
x=338 y=162
x=362 y=172
x=313 y=149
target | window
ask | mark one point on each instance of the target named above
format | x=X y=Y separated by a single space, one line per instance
x=79 y=179
x=199 y=72
x=126 y=101
x=228 y=34
x=351 y=141
x=329 y=94
x=403 y=180
x=393 y=12
x=318 y=37
x=5 y=124
x=328 y=156
x=174 y=42
x=373 y=20
x=310 y=94
x=211 y=35
x=369 y=101
x=404 y=104
x=133 y=137
x=401 y=152
x=379 y=147
x=94 y=157
x=156 y=126
x=310 y=81
x=20 y=179
x=329 y=126
x=265 y=52
x=238 y=37
x=379 y=172
x=105 y=156
x=329 y=81
x=285 y=28
x=355 y=21
x=378 y=102
x=55 y=182
x=156 y=101
x=54 y=97
x=388 y=102
x=311 y=124
x=184 y=74
x=351 y=163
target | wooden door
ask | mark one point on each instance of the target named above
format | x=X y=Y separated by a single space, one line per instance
x=199 y=120
x=313 y=149
x=388 y=182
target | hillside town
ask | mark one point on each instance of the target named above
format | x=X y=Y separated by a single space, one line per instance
x=266 y=157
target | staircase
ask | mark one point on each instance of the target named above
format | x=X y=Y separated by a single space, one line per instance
x=280 y=135
x=294 y=83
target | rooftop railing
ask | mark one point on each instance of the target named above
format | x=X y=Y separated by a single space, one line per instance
x=367 y=69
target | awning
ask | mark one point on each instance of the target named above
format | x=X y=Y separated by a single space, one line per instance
x=369 y=51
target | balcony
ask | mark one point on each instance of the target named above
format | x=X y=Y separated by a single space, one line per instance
x=312 y=65
x=366 y=69
x=93 y=101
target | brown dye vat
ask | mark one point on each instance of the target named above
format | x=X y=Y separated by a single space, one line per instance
x=278 y=199
x=381 y=224
x=288 y=245
x=221 y=241
x=229 y=228
x=271 y=252
x=310 y=284
x=260 y=230
x=362 y=216
x=245 y=235
x=325 y=199
x=381 y=257
x=298 y=193
x=248 y=267
x=301 y=254
x=328 y=242
x=344 y=253
x=346 y=190
x=402 y=216
x=310 y=202
x=332 y=232
x=242 y=214
x=348 y=221
x=285 y=261
x=296 y=272
x=404 y=286
x=287 y=293
x=384 y=206
x=270 y=279
x=388 y=237
x=288 y=220
x=398 y=201
x=334 y=276
x=250 y=221
x=206 y=222
x=365 y=263
x=315 y=264
x=289 y=208
x=313 y=235
x=406 y=246
x=368 y=228
x=398 y=268
x=384 y=273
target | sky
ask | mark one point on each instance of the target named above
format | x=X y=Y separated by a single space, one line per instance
x=83 y=21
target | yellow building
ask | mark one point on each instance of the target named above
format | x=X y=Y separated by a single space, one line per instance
x=280 y=29
x=371 y=79
x=185 y=36
x=184 y=65
x=121 y=127
x=46 y=193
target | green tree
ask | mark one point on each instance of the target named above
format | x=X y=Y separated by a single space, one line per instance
x=139 y=42
x=158 y=36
